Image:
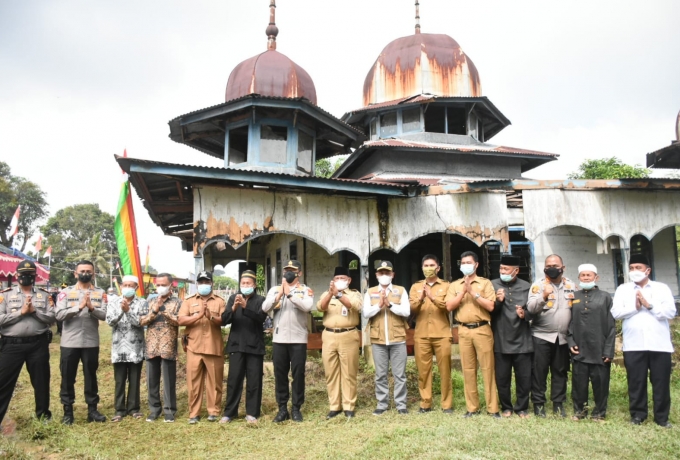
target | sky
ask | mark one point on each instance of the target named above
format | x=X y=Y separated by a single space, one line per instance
x=81 y=81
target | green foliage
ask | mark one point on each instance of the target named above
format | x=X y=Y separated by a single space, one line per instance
x=75 y=230
x=608 y=168
x=261 y=281
x=224 y=282
x=326 y=168
x=15 y=191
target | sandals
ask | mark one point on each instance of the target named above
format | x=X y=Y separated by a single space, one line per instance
x=117 y=418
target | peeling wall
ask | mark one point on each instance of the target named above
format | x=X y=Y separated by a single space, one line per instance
x=665 y=259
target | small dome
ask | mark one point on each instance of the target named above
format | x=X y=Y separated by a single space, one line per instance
x=421 y=64
x=270 y=74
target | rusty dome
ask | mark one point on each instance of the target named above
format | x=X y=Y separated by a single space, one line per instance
x=421 y=64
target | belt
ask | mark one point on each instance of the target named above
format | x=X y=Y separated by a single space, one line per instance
x=342 y=330
x=475 y=325
x=18 y=340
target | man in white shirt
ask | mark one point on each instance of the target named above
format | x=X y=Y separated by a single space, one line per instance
x=387 y=308
x=645 y=307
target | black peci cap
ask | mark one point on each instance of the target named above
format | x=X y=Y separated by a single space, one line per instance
x=510 y=260
x=341 y=271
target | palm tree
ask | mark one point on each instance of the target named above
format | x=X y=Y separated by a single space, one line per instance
x=97 y=253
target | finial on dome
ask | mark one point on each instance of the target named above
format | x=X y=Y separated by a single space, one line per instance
x=272 y=31
x=417 y=17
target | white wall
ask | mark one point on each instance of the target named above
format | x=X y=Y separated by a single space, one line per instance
x=665 y=258
x=576 y=246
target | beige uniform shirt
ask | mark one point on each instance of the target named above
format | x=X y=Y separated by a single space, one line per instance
x=205 y=337
x=432 y=318
x=469 y=310
x=81 y=327
x=340 y=317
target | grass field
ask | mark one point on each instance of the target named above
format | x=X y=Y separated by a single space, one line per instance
x=433 y=435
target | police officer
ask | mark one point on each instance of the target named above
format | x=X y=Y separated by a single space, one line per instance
x=291 y=301
x=81 y=307
x=26 y=314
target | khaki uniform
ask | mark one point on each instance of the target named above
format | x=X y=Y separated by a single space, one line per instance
x=205 y=359
x=432 y=337
x=340 y=351
x=476 y=343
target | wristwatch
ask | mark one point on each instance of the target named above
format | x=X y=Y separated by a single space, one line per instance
x=288 y=296
x=477 y=296
x=339 y=295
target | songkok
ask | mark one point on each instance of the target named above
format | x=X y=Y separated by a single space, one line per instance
x=130 y=279
x=249 y=274
x=638 y=259
x=510 y=260
x=587 y=268
x=341 y=271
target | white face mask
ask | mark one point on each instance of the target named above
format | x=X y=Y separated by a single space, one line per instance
x=467 y=269
x=636 y=276
x=384 y=280
x=340 y=285
x=162 y=290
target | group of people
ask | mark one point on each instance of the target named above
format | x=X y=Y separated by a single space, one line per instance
x=504 y=325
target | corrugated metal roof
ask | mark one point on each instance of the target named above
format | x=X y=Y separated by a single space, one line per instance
x=471 y=148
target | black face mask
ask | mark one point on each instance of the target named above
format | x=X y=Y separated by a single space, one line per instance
x=84 y=277
x=289 y=277
x=553 y=272
x=26 y=280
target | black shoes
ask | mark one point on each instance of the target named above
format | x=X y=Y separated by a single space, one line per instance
x=495 y=415
x=665 y=425
x=349 y=413
x=333 y=413
x=423 y=410
x=95 y=416
x=282 y=416
x=403 y=411
x=539 y=410
x=448 y=411
x=379 y=411
x=68 y=415
x=636 y=421
x=297 y=415
x=470 y=414
x=558 y=409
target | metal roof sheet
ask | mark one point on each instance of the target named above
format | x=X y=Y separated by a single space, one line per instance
x=470 y=148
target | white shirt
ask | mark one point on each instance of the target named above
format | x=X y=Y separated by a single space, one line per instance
x=403 y=308
x=645 y=330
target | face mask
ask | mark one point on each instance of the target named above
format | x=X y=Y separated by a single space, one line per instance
x=637 y=276
x=247 y=290
x=340 y=285
x=128 y=292
x=586 y=286
x=553 y=272
x=204 y=289
x=162 y=290
x=467 y=269
x=384 y=280
x=289 y=277
x=26 y=280
x=506 y=278
x=84 y=277
x=429 y=271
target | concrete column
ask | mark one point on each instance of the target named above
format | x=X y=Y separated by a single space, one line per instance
x=446 y=257
x=365 y=332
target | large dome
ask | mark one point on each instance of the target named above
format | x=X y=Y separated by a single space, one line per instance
x=270 y=74
x=421 y=64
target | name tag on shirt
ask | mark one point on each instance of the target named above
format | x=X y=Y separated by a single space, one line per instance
x=344 y=311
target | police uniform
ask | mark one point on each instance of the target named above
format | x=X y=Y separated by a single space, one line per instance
x=290 y=341
x=80 y=343
x=25 y=339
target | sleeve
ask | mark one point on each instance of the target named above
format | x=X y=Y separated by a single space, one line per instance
x=663 y=304
x=254 y=310
x=46 y=315
x=113 y=313
x=319 y=301
x=535 y=302
x=414 y=299
x=172 y=315
x=620 y=310
x=269 y=300
x=146 y=314
x=489 y=292
x=305 y=302
x=369 y=311
x=403 y=308
x=228 y=313
x=7 y=318
x=610 y=336
x=184 y=309
x=570 y=332
x=63 y=312
x=355 y=300
x=133 y=314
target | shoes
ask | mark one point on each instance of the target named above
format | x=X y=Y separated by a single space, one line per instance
x=579 y=416
x=470 y=414
x=523 y=414
x=151 y=418
x=168 y=419
x=507 y=413
x=423 y=410
x=68 y=415
x=379 y=411
x=539 y=410
x=349 y=413
x=636 y=421
x=250 y=419
x=282 y=416
x=296 y=414
x=212 y=418
x=95 y=416
x=225 y=419
x=194 y=420
x=447 y=411
x=333 y=413
x=403 y=411
x=558 y=409
x=495 y=415
x=665 y=425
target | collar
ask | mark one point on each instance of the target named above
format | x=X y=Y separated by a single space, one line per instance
x=387 y=288
x=19 y=291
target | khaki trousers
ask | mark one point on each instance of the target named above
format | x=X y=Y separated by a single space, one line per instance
x=340 y=356
x=476 y=348
x=424 y=349
x=204 y=371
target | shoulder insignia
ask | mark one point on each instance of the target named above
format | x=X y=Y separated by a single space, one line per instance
x=535 y=289
x=6 y=290
x=309 y=291
x=62 y=295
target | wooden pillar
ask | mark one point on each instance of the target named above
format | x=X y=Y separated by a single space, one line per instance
x=446 y=257
x=365 y=331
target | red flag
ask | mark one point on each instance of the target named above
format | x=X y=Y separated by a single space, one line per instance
x=48 y=253
x=14 y=224
x=38 y=244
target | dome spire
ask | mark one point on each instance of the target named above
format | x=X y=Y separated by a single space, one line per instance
x=272 y=31
x=417 y=17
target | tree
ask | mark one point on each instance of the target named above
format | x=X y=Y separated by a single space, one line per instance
x=79 y=229
x=15 y=191
x=97 y=252
x=608 y=168
x=326 y=168
x=224 y=282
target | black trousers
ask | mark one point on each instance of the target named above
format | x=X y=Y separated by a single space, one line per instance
x=287 y=357
x=658 y=365
x=521 y=363
x=36 y=355
x=70 y=357
x=250 y=367
x=598 y=375
x=168 y=368
x=127 y=374
x=553 y=358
